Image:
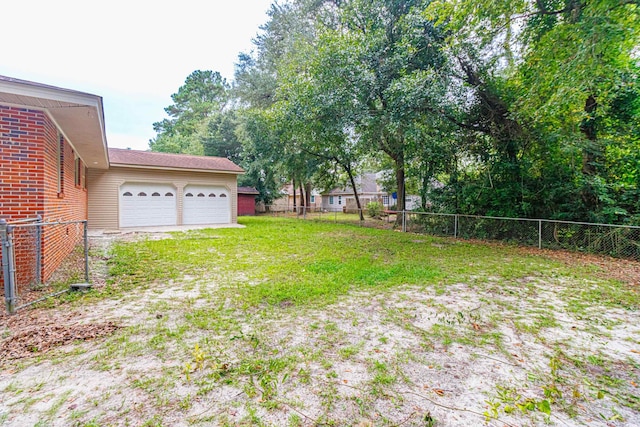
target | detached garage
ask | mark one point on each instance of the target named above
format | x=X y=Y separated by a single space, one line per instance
x=144 y=189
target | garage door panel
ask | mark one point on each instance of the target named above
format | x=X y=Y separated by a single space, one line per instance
x=206 y=205
x=144 y=205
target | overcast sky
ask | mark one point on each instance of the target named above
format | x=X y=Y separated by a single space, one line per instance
x=133 y=53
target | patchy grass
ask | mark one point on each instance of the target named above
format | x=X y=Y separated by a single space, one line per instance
x=299 y=323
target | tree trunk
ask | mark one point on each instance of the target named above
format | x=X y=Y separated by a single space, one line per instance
x=293 y=186
x=590 y=154
x=302 y=205
x=395 y=149
x=588 y=128
x=400 y=184
x=355 y=192
x=423 y=191
x=307 y=192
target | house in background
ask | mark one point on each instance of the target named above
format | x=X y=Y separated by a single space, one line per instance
x=247 y=200
x=55 y=163
x=369 y=190
x=285 y=202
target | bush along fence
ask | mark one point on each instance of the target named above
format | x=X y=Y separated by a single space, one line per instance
x=603 y=239
x=42 y=259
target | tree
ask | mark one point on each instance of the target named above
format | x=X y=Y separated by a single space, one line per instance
x=204 y=94
x=545 y=75
x=221 y=138
x=387 y=56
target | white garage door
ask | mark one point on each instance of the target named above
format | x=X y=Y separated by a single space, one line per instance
x=144 y=205
x=206 y=205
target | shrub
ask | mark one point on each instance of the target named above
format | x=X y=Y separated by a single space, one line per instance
x=374 y=209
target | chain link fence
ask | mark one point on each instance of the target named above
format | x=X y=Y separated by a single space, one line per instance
x=603 y=239
x=41 y=259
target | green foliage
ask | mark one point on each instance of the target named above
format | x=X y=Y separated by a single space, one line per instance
x=518 y=108
x=563 y=74
x=203 y=94
x=374 y=209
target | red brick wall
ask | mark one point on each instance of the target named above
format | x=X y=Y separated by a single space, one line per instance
x=22 y=142
x=246 y=204
x=28 y=185
x=69 y=205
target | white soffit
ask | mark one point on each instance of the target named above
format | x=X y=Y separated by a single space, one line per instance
x=79 y=115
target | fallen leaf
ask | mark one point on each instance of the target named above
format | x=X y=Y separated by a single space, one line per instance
x=438 y=391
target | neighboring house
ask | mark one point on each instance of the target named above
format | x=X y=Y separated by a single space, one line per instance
x=369 y=190
x=343 y=199
x=247 y=200
x=54 y=162
x=285 y=202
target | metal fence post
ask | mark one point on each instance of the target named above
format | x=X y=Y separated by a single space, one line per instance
x=404 y=221
x=86 y=251
x=8 y=266
x=455 y=226
x=38 y=278
x=539 y=234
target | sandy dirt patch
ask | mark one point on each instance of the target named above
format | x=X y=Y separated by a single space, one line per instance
x=522 y=352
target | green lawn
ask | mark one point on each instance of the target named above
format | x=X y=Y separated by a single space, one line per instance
x=304 y=323
x=311 y=263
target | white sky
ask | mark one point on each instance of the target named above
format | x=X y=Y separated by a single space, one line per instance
x=133 y=53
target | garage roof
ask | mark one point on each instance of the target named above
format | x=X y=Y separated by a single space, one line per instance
x=154 y=160
x=247 y=190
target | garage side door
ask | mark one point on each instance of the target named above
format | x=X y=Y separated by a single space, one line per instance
x=146 y=205
x=206 y=205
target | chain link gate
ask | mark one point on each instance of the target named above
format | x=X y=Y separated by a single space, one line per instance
x=42 y=259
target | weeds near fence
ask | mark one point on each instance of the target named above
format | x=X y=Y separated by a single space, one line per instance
x=617 y=241
x=41 y=259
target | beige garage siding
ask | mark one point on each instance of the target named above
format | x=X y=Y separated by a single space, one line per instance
x=103 y=186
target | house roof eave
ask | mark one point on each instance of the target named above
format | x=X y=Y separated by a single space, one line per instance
x=78 y=115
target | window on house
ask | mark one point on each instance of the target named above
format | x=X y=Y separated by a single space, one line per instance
x=77 y=172
x=385 y=200
x=223 y=195
x=142 y=194
x=330 y=200
x=127 y=194
x=84 y=177
x=200 y=195
x=339 y=200
x=155 y=194
x=212 y=195
x=313 y=198
x=169 y=194
x=60 y=155
x=188 y=195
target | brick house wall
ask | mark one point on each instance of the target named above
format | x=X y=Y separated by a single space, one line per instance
x=30 y=152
